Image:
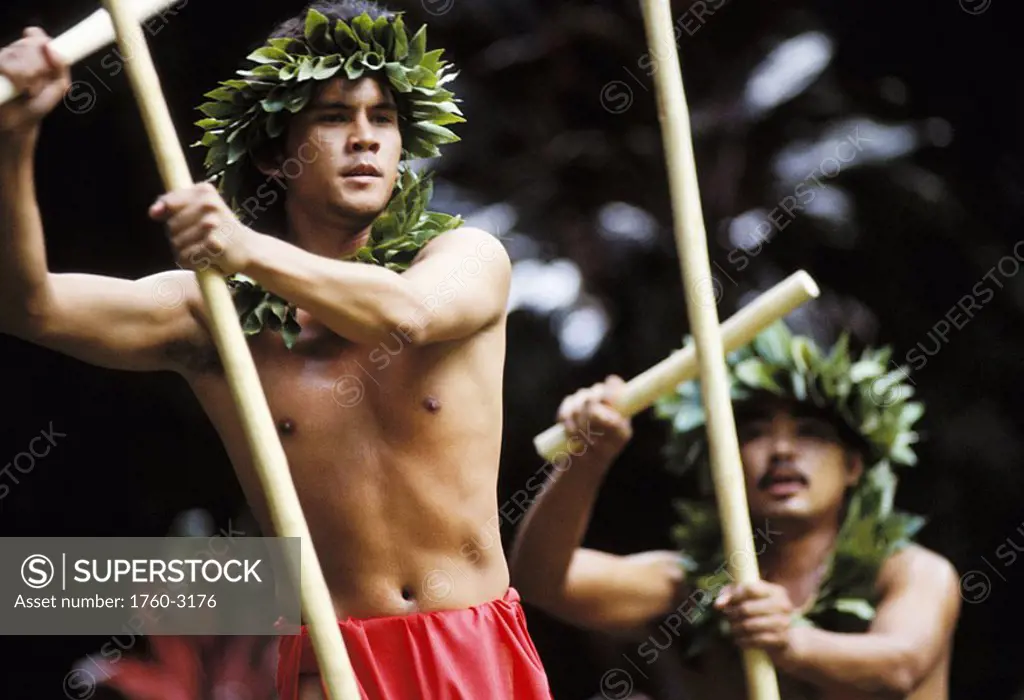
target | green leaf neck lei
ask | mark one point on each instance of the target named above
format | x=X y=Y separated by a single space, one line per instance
x=397 y=236
x=846 y=597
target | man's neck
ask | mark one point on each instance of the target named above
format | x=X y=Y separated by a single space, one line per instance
x=796 y=557
x=337 y=238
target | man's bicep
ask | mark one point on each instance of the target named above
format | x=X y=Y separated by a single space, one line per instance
x=462 y=282
x=123 y=324
x=920 y=605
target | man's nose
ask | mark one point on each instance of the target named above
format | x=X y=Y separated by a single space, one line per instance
x=783 y=447
x=363 y=139
x=360 y=145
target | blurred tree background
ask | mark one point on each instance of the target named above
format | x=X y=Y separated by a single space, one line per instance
x=562 y=158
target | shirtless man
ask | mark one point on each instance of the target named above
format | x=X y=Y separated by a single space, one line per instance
x=800 y=465
x=396 y=466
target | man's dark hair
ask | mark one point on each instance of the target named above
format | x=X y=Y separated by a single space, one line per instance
x=259 y=209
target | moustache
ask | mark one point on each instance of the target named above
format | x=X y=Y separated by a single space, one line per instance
x=782 y=470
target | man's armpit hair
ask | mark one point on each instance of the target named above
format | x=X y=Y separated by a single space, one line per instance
x=195 y=357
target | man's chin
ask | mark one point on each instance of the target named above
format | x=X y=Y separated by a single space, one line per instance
x=792 y=508
x=360 y=210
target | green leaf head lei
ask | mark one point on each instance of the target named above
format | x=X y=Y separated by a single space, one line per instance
x=246 y=113
x=871 y=400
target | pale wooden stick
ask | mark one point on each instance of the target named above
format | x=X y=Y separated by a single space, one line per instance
x=90 y=35
x=643 y=390
x=261 y=435
x=691 y=241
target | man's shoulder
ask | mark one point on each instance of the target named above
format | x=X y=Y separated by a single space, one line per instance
x=472 y=241
x=915 y=563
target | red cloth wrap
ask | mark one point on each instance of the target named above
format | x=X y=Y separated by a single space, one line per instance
x=480 y=653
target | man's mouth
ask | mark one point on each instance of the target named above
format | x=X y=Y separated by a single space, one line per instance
x=782 y=481
x=362 y=170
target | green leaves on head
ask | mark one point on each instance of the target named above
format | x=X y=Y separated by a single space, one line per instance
x=773 y=345
x=298 y=100
x=373 y=61
x=865 y=392
x=250 y=106
x=275 y=101
x=326 y=67
x=400 y=47
x=383 y=35
x=417 y=48
x=346 y=40
x=305 y=69
x=757 y=374
x=318 y=32
x=396 y=73
x=270 y=54
x=354 y=67
x=217 y=110
x=290 y=46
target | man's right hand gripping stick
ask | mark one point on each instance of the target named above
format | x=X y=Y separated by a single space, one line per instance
x=88 y=36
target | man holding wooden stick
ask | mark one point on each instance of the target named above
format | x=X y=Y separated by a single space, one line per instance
x=849 y=608
x=395 y=466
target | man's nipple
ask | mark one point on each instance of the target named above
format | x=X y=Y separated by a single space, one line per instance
x=286 y=426
x=432 y=404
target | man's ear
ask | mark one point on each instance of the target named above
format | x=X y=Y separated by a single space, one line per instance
x=854 y=467
x=268 y=159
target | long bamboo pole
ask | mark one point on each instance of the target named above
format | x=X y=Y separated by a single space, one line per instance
x=691 y=241
x=266 y=450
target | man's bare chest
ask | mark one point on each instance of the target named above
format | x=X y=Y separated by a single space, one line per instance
x=327 y=386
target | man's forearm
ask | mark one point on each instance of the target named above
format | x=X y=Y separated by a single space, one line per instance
x=363 y=303
x=23 y=269
x=554 y=528
x=872 y=663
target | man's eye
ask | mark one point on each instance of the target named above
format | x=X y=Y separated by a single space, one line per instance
x=749 y=431
x=384 y=119
x=334 y=118
x=817 y=429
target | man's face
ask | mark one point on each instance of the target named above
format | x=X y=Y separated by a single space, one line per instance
x=345 y=147
x=795 y=465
